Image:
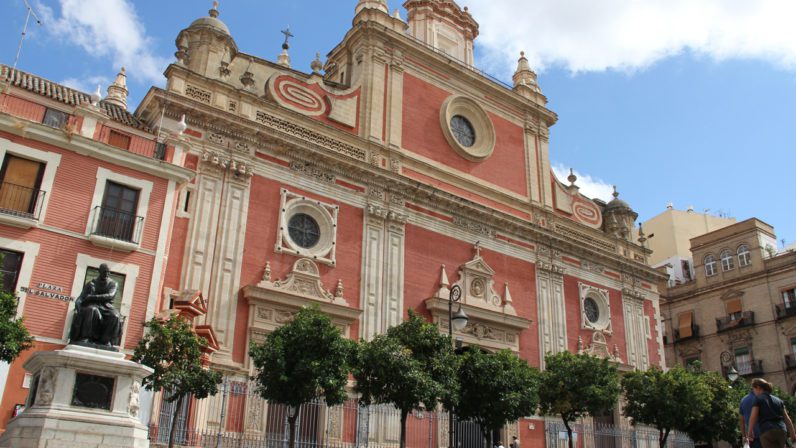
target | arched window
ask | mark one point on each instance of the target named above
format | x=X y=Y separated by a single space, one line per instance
x=744 y=256
x=710 y=265
x=727 y=260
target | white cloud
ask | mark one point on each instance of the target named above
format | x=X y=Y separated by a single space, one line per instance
x=589 y=186
x=107 y=29
x=585 y=35
x=87 y=84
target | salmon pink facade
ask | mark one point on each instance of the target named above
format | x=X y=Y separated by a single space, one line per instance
x=369 y=186
x=81 y=184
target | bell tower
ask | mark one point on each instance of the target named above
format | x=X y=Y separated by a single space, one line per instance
x=443 y=25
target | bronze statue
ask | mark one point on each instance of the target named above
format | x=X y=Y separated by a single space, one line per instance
x=96 y=322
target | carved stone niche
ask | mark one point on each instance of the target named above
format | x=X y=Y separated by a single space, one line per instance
x=493 y=321
x=272 y=303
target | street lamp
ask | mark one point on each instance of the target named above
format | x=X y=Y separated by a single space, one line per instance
x=458 y=321
x=727 y=361
x=732 y=374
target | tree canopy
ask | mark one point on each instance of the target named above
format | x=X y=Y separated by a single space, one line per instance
x=496 y=388
x=574 y=386
x=14 y=337
x=174 y=351
x=306 y=359
x=720 y=421
x=671 y=400
x=410 y=365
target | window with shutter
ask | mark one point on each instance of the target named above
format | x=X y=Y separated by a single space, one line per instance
x=119 y=140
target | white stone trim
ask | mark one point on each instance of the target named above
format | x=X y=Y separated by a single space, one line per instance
x=484 y=129
x=158 y=270
x=601 y=297
x=130 y=271
x=145 y=189
x=326 y=217
x=51 y=160
x=30 y=251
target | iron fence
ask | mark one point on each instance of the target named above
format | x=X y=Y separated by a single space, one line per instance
x=237 y=417
x=610 y=436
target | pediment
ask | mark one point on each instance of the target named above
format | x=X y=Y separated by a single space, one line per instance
x=478 y=286
x=732 y=293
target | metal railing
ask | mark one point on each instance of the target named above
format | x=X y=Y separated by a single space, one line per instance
x=610 y=436
x=749 y=367
x=116 y=224
x=786 y=310
x=20 y=201
x=238 y=417
x=737 y=320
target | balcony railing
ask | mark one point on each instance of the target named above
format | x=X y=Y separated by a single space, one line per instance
x=749 y=367
x=694 y=334
x=786 y=310
x=23 y=202
x=116 y=225
x=790 y=362
x=736 y=320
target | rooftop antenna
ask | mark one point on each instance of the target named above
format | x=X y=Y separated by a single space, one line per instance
x=25 y=30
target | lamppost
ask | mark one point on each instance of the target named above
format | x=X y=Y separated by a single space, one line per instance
x=458 y=321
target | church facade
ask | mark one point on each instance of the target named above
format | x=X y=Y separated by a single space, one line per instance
x=373 y=184
x=381 y=178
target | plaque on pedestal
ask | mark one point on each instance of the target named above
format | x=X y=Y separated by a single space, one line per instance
x=80 y=396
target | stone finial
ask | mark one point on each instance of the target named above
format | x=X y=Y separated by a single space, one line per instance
x=615 y=194
x=284 y=57
x=338 y=291
x=117 y=91
x=316 y=64
x=572 y=177
x=397 y=14
x=580 y=344
x=524 y=78
x=214 y=11
x=182 y=125
x=444 y=284
x=96 y=97
x=507 y=295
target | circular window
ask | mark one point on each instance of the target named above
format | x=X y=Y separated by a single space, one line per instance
x=304 y=230
x=592 y=310
x=467 y=128
x=463 y=131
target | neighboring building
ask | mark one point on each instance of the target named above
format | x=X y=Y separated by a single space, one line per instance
x=738 y=310
x=372 y=188
x=81 y=184
x=669 y=238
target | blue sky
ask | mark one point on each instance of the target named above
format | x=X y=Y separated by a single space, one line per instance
x=688 y=101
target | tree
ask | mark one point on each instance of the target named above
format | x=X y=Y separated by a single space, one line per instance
x=670 y=400
x=304 y=360
x=14 y=337
x=720 y=421
x=410 y=365
x=575 y=386
x=495 y=388
x=174 y=351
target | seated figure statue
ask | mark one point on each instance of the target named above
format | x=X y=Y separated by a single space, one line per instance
x=96 y=321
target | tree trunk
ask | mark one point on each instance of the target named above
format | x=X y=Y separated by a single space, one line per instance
x=173 y=428
x=569 y=432
x=664 y=436
x=291 y=420
x=404 y=414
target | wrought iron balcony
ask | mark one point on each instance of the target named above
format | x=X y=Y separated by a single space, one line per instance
x=786 y=310
x=790 y=362
x=694 y=334
x=112 y=224
x=750 y=367
x=737 y=320
x=21 y=202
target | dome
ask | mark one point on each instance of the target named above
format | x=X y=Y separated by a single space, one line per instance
x=617 y=204
x=211 y=22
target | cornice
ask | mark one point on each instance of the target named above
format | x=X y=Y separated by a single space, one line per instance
x=95 y=149
x=708 y=289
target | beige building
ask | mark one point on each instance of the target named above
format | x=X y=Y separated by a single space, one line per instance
x=669 y=237
x=737 y=311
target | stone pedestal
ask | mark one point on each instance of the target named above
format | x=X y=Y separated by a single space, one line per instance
x=80 y=398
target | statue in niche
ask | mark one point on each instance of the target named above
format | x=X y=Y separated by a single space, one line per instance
x=96 y=322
